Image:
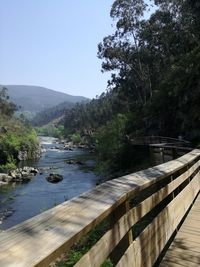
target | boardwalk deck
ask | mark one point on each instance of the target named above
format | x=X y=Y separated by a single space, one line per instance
x=185 y=249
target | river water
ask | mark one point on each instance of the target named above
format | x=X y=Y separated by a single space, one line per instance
x=23 y=201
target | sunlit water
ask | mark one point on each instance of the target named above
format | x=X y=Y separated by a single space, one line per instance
x=29 y=199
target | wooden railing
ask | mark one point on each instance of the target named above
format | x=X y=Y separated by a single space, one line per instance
x=161 y=153
x=146 y=140
x=143 y=210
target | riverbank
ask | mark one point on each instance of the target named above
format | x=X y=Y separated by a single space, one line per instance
x=18 y=141
x=21 y=201
x=24 y=174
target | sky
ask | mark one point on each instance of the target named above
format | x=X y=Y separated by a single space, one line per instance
x=53 y=43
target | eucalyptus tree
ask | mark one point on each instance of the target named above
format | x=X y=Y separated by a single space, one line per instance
x=124 y=54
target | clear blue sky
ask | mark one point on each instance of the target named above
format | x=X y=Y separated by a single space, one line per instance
x=53 y=43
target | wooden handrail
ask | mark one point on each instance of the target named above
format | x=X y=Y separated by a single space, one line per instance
x=161 y=153
x=161 y=195
x=158 y=140
x=170 y=146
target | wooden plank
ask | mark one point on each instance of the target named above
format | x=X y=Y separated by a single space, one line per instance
x=144 y=207
x=184 y=259
x=174 y=262
x=190 y=251
x=152 y=240
x=124 y=243
x=190 y=246
x=191 y=237
x=185 y=247
x=193 y=231
x=100 y=251
x=149 y=253
x=128 y=259
x=185 y=253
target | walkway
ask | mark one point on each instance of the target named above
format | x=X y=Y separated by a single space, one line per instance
x=185 y=249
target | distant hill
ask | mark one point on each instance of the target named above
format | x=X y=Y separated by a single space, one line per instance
x=51 y=115
x=35 y=98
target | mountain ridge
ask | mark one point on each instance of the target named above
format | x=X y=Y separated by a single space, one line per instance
x=37 y=98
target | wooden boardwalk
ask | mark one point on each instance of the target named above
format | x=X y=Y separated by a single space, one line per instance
x=125 y=202
x=185 y=249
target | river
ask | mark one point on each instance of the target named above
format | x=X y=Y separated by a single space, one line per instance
x=23 y=201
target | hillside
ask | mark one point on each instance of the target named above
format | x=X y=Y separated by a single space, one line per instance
x=36 y=98
x=51 y=114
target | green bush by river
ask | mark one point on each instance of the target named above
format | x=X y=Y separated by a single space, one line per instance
x=16 y=135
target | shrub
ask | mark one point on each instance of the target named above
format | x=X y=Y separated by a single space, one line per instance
x=76 y=138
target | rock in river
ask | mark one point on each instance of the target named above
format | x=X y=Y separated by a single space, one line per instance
x=23 y=174
x=71 y=161
x=4 y=214
x=54 y=178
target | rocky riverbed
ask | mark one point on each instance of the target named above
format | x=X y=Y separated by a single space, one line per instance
x=70 y=146
x=19 y=175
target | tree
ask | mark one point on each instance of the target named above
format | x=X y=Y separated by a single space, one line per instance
x=124 y=53
x=6 y=107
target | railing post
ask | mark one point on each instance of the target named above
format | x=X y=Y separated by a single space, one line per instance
x=162 y=155
x=174 y=153
x=120 y=249
x=152 y=155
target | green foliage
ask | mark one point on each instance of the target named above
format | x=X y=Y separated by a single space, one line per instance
x=87 y=117
x=107 y=263
x=73 y=257
x=51 y=130
x=110 y=138
x=25 y=114
x=7 y=167
x=15 y=135
x=76 y=138
x=23 y=139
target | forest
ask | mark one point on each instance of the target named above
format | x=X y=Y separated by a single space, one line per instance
x=154 y=87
